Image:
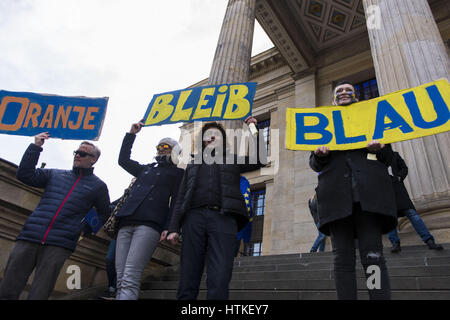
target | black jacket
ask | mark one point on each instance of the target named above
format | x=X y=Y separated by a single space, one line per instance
x=373 y=185
x=400 y=171
x=68 y=197
x=152 y=197
x=312 y=203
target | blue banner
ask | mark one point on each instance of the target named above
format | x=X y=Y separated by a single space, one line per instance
x=210 y=103
x=28 y=114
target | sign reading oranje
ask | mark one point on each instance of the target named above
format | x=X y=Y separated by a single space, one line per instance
x=28 y=114
x=402 y=115
x=210 y=103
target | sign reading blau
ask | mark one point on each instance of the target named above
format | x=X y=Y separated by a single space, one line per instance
x=398 y=116
x=28 y=114
x=211 y=103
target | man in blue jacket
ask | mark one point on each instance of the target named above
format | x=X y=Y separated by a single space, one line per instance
x=51 y=232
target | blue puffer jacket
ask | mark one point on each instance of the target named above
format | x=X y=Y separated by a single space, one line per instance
x=68 y=196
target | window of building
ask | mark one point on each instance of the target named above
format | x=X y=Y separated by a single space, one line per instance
x=256 y=249
x=264 y=126
x=367 y=90
x=259 y=202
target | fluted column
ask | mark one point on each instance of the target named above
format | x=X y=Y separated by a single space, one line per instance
x=232 y=58
x=408 y=51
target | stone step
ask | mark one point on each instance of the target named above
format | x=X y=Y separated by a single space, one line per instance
x=415 y=271
x=406 y=262
x=301 y=295
x=405 y=251
x=319 y=257
x=397 y=283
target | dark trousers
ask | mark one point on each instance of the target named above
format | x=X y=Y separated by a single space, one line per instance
x=111 y=264
x=210 y=237
x=367 y=228
x=26 y=256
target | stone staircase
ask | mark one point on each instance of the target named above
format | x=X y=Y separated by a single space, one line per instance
x=416 y=273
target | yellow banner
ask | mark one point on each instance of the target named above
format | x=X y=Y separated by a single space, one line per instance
x=402 y=115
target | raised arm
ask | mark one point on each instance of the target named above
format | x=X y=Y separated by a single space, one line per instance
x=27 y=172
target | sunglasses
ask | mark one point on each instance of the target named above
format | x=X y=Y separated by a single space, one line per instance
x=162 y=147
x=82 y=154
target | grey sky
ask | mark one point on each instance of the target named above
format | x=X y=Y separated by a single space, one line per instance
x=125 y=50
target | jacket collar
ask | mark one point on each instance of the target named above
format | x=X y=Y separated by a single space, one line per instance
x=83 y=171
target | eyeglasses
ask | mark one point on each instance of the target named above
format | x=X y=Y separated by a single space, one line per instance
x=82 y=154
x=162 y=147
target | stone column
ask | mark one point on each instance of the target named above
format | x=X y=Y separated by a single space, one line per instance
x=232 y=58
x=408 y=51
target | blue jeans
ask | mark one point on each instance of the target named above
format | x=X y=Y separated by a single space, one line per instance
x=418 y=225
x=320 y=242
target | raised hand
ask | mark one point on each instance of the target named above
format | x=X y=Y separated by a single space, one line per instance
x=40 y=138
x=136 y=127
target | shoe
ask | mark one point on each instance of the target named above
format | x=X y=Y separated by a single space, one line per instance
x=433 y=246
x=396 y=248
x=108 y=295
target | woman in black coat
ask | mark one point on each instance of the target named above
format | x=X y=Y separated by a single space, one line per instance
x=355 y=200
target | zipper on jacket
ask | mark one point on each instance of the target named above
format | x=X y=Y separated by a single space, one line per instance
x=59 y=209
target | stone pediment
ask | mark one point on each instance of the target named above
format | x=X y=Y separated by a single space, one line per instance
x=303 y=29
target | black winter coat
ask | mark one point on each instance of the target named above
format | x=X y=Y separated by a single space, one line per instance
x=153 y=195
x=232 y=201
x=374 y=186
x=68 y=197
x=400 y=171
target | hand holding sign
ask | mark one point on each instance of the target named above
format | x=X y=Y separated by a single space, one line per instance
x=374 y=146
x=322 y=151
x=40 y=138
x=136 y=127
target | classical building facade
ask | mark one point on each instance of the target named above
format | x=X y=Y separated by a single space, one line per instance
x=382 y=45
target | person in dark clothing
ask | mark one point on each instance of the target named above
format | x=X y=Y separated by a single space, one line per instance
x=52 y=230
x=405 y=207
x=319 y=243
x=143 y=218
x=210 y=210
x=355 y=199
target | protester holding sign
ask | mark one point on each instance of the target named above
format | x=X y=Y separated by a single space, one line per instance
x=210 y=210
x=50 y=234
x=144 y=216
x=355 y=200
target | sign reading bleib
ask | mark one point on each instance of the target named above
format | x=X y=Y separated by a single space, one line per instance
x=209 y=103
x=28 y=114
x=398 y=116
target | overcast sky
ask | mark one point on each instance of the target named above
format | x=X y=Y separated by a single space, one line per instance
x=127 y=50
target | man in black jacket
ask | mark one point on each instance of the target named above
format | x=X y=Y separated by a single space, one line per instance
x=210 y=210
x=355 y=200
x=143 y=218
x=51 y=232
x=405 y=207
